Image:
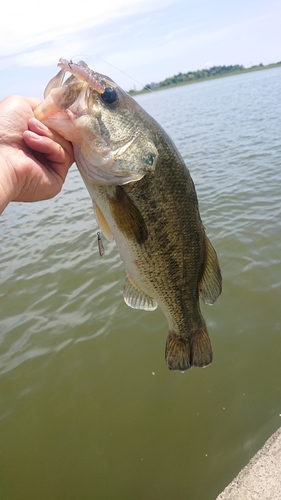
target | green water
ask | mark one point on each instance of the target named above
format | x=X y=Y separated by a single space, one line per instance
x=88 y=408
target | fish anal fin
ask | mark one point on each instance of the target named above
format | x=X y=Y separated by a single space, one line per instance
x=210 y=285
x=137 y=299
x=102 y=222
x=127 y=216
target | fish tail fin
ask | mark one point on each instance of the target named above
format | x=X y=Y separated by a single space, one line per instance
x=183 y=353
x=201 y=348
x=178 y=352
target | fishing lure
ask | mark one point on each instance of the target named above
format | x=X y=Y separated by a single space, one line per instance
x=82 y=73
x=100 y=245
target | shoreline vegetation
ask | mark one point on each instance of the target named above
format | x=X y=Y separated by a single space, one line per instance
x=201 y=76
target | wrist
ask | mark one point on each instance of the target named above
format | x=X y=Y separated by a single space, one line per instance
x=8 y=181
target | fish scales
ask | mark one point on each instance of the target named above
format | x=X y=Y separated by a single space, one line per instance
x=174 y=242
x=144 y=199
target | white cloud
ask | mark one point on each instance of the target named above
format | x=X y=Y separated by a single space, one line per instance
x=26 y=24
x=147 y=39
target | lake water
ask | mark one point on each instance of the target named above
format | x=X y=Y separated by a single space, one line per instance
x=88 y=409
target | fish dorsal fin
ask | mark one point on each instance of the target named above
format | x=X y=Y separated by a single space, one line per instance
x=210 y=285
x=137 y=299
x=102 y=222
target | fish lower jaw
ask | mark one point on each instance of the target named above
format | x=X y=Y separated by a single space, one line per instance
x=48 y=112
x=62 y=121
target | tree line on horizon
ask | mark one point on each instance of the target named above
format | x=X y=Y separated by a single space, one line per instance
x=197 y=75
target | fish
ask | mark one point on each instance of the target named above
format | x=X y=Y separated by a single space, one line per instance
x=144 y=199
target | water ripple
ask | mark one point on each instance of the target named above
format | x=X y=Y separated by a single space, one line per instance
x=76 y=362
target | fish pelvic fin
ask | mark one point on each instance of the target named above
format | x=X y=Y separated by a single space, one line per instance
x=210 y=285
x=183 y=353
x=134 y=297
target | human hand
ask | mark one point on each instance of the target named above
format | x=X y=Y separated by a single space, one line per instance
x=34 y=160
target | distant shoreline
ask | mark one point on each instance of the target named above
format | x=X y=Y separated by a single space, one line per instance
x=197 y=80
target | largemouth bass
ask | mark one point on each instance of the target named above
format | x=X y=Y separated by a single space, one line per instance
x=144 y=199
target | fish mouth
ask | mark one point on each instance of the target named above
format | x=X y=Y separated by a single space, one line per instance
x=60 y=96
x=47 y=110
x=60 y=120
x=64 y=103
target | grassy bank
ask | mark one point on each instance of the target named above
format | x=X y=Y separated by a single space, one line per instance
x=196 y=80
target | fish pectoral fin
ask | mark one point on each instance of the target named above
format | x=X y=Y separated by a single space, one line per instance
x=127 y=216
x=210 y=286
x=137 y=299
x=102 y=222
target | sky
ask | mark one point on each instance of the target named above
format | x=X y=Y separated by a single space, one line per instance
x=134 y=42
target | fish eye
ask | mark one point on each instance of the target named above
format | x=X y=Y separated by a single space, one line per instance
x=109 y=96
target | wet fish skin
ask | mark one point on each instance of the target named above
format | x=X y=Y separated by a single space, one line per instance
x=168 y=265
x=145 y=200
